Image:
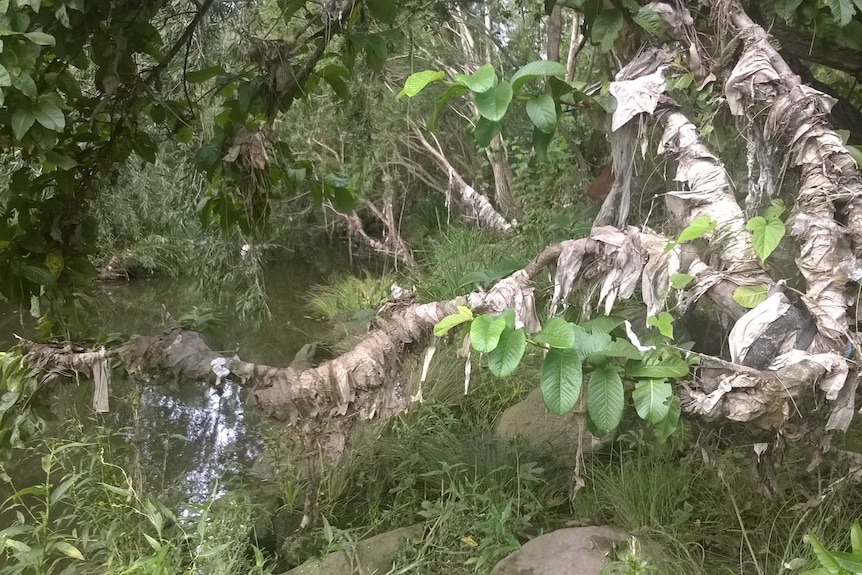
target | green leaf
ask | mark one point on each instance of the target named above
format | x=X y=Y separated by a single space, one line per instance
x=485 y=332
x=556 y=332
x=848 y=561
x=649 y=21
x=444 y=325
x=535 y=70
x=855 y=153
x=62 y=161
x=664 y=323
x=38 y=275
x=336 y=76
x=508 y=353
x=651 y=399
x=673 y=366
x=144 y=146
x=588 y=343
x=679 y=281
x=699 y=227
x=22 y=121
x=562 y=375
x=543 y=112
x=451 y=92
x=823 y=555
x=775 y=209
x=494 y=103
x=5 y=78
x=541 y=141
x=415 y=83
x=382 y=10
x=668 y=426
x=50 y=116
x=605 y=396
x=842 y=11
x=856 y=539
x=786 y=8
x=40 y=38
x=198 y=76
x=622 y=348
x=485 y=132
x=606 y=28
x=766 y=235
x=24 y=83
x=750 y=296
x=343 y=199
x=480 y=81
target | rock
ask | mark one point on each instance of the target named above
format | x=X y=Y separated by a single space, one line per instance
x=373 y=555
x=575 y=551
x=531 y=421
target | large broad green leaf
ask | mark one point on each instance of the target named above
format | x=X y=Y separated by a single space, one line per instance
x=856 y=539
x=382 y=10
x=451 y=92
x=50 y=116
x=605 y=396
x=668 y=426
x=664 y=323
x=68 y=550
x=587 y=343
x=697 y=228
x=750 y=296
x=670 y=366
x=606 y=28
x=415 y=83
x=556 y=332
x=649 y=20
x=543 y=112
x=5 y=78
x=842 y=11
x=24 y=83
x=22 y=121
x=197 y=76
x=508 y=353
x=765 y=235
x=622 y=348
x=485 y=332
x=786 y=8
x=40 y=38
x=602 y=324
x=651 y=399
x=494 y=103
x=561 y=379
x=479 y=81
x=535 y=70
x=679 y=281
x=823 y=555
x=541 y=141
x=485 y=132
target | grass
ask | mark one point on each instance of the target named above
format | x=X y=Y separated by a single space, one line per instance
x=345 y=295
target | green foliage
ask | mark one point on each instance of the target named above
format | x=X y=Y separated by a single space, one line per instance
x=572 y=349
x=89 y=515
x=345 y=295
x=767 y=231
x=835 y=562
x=19 y=420
x=750 y=296
x=696 y=229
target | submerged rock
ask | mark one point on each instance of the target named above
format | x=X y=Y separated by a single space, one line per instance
x=575 y=551
x=372 y=555
x=531 y=421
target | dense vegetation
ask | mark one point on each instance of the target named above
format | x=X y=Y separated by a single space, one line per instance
x=449 y=148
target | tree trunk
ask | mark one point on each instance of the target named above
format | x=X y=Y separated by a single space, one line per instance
x=555 y=32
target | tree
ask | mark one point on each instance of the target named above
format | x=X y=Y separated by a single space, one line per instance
x=792 y=339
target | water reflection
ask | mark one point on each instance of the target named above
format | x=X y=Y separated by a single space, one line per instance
x=186 y=438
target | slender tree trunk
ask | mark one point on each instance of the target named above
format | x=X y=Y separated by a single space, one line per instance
x=555 y=32
x=575 y=44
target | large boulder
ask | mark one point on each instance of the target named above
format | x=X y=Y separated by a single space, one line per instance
x=533 y=423
x=373 y=555
x=575 y=551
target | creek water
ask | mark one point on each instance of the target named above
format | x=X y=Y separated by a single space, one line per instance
x=187 y=439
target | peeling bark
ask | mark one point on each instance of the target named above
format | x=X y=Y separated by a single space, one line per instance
x=473 y=204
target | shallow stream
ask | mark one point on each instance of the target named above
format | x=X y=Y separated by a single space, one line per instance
x=188 y=439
